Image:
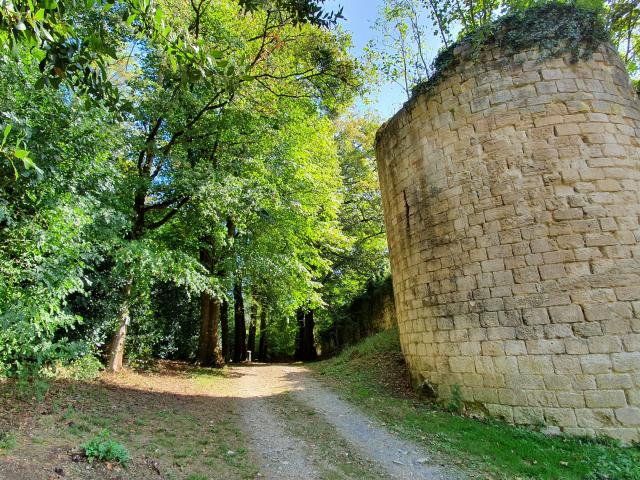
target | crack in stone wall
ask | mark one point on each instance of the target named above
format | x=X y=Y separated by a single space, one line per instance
x=511 y=200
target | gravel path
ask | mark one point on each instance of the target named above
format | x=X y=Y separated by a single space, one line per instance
x=282 y=455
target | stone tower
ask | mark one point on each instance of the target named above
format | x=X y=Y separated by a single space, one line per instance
x=511 y=199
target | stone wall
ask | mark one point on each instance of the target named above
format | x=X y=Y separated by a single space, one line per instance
x=511 y=203
x=372 y=312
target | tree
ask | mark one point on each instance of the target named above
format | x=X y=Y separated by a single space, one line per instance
x=240 y=336
x=52 y=217
x=399 y=53
x=179 y=120
x=363 y=259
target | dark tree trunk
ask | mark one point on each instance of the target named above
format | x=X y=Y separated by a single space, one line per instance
x=253 y=324
x=300 y=337
x=208 y=354
x=305 y=345
x=204 y=340
x=224 y=331
x=308 y=345
x=240 y=343
x=262 y=345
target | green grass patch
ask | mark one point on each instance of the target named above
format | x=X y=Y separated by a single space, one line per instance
x=361 y=372
x=7 y=442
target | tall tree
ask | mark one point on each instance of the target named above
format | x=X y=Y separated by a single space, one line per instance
x=240 y=326
x=253 y=325
x=181 y=114
x=262 y=345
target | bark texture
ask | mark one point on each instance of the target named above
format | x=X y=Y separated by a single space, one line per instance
x=262 y=344
x=240 y=337
x=224 y=331
x=253 y=325
x=116 y=349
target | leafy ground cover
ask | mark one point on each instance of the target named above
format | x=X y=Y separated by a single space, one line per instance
x=373 y=376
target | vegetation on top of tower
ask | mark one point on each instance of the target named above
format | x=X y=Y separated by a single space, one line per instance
x=555 y=28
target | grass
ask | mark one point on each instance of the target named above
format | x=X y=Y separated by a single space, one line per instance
x=7 y=442
x=372 y=375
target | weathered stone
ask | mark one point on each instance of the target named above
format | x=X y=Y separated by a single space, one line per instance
x=512 y=210
x=605 y=398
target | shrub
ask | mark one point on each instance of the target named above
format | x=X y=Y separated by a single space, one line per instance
x=106 y=449
x=86 y=367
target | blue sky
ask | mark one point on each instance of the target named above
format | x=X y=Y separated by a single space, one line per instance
x=359 y=18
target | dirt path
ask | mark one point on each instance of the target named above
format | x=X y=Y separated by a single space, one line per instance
x=372 y=451
x=179 y=422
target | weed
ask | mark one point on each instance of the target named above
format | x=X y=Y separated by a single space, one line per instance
x=195 y=476
x=105 y=449
x=7 y=441
x=69 y=412
x=29 y=388
x=455 y=404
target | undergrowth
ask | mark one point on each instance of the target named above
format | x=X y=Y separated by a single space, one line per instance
x=362 y=374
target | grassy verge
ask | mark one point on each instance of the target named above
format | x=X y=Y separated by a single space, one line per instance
x=372 y=375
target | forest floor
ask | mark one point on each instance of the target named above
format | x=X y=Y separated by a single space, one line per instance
x=180 y=422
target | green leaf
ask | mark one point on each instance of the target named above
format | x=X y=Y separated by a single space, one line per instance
x=158 y=16
x=6 y=132
x=40 y=83
x=39 y=15
x=50 y=4
x=22 y=154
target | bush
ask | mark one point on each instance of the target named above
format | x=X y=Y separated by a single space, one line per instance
x=86 y=367
x=105 y=449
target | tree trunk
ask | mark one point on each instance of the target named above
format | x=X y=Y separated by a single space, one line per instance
x=204 y=339
x=262 y=345
x=253 y=324
x=224 y=330
x=309 y=346
x=305 y=345
x=214 y=312
x=240 y=338
x=116 y=349
x=300 y=337
x=208 y=346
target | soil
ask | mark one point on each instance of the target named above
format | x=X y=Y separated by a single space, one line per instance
x=179 y=422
